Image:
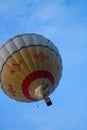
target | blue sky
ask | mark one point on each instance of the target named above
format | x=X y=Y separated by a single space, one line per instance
x=64 y=22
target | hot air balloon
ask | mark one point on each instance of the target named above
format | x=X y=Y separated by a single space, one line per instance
x=30 y=68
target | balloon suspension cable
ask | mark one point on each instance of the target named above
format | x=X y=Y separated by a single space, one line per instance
x=39 y=93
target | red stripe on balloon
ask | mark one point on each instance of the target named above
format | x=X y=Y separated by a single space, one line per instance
x=34 y=76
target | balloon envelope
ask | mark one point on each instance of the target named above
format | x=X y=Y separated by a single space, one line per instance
x=30 y=67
